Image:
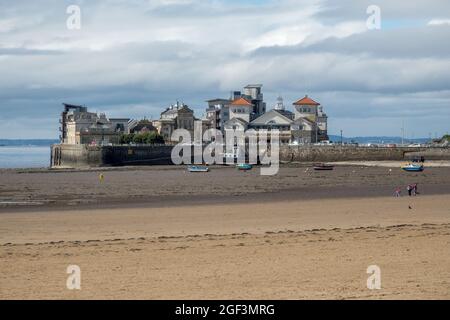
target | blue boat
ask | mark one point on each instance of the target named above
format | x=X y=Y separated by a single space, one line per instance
x=198 y=169
x=244 y=166
x=413 y=167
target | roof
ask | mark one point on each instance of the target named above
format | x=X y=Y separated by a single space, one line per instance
x=253 y=86
x=286 y=113
x=304 y=120
x=185 y=108
x=176 y=109
x=241 y=102
x=72 y=105
x=218 y=99
x=268 y=116
x=170 y=111
x=306 y=101
x=232 y=120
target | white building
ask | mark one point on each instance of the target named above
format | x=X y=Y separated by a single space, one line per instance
x=79 y=126
x=307 y=124
x=218 y=111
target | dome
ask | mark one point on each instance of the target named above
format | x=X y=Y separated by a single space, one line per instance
x=280 y=103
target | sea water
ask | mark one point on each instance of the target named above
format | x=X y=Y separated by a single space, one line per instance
x=24 y=156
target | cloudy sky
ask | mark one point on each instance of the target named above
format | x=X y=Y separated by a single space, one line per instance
x=132 y=58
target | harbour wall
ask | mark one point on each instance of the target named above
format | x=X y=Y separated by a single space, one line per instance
x=78 y=156
x=355 y=153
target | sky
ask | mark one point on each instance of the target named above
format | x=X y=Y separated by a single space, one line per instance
x=133 y=58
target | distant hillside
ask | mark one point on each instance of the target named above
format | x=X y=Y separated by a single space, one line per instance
x=381 y=139
x=27 y=142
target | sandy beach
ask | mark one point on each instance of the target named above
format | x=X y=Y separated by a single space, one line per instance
x=293 y=238
x=161 y=186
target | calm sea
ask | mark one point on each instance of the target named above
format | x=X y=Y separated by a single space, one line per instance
x=24 y=156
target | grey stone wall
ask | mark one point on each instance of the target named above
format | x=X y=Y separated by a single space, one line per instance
x=76 y=156
x=69 y=155
x=136 y=155
x=341 y=153
x=431 y=154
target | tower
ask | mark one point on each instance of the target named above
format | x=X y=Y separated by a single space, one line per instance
x=306 y=108
x=280 y=104
x=242 y=109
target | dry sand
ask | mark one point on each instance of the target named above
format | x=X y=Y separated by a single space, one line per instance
x=291 y=249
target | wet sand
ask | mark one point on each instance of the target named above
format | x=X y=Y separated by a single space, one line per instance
x=174 y=186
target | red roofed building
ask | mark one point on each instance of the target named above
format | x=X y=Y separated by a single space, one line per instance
x=247 y=110
x=241 y=102
x=218 y=111
x=306 y=101
x=307 y=108
x=242 y=109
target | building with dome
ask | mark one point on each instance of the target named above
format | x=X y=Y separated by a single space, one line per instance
x=306 y=123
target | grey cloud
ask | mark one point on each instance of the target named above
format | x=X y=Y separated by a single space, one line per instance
x=145 y=64
x=24 y=51
x=424 y=42
x=390 y=10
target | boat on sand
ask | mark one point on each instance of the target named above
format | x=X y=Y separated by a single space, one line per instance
x=413 y=167
x=323 y=167
x=244 y=166
x=198 y=169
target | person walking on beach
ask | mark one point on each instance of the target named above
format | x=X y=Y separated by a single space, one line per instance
x=409 y=189
x=414 y=189
x=398 y=192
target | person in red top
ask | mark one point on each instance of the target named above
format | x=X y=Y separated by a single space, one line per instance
x=414 y=189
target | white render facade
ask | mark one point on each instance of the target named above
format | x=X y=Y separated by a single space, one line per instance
x=306 y=124
x=79 y=126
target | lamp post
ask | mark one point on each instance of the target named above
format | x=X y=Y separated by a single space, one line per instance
x=342 y=141
x=403 y=132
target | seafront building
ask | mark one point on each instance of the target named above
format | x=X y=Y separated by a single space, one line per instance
x=178 y=116
x=79 y=126
x=307 y=122
x=218 y=111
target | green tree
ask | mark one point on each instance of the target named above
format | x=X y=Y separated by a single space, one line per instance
x=153 y=138
x=142 y=138
x=138 y=138
x=126 y=138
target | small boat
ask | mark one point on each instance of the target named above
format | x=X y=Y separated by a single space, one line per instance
x=244 y=166
x=198 y=169
x=323 y=167
x=411 y=167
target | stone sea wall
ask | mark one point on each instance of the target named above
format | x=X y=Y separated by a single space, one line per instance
x=339 y=153
x=77 y=156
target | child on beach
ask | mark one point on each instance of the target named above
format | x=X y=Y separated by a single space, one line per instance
x=398 y=192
